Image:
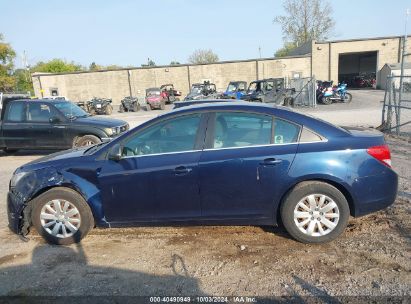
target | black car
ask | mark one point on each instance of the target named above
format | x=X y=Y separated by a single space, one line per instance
x=47 y=124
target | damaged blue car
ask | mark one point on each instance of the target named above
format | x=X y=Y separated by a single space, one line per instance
x=218 y=163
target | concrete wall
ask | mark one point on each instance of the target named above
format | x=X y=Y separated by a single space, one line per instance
x=321 y=61
x=115 y=84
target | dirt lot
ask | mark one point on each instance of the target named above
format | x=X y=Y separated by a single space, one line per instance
x=373 y=257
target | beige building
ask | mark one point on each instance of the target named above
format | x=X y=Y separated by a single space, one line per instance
x=331 y=60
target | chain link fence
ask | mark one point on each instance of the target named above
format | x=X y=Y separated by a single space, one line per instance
x=305 y=88
x=396 y=112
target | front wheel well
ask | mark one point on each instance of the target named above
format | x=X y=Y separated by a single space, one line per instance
x=340 y=187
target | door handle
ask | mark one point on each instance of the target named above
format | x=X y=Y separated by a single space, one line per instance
x=270 y=162
x=182 y=170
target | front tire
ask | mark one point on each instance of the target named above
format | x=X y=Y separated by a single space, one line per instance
x=87 y=140
x=62 y=216
x=347 y=98
x=109 y=110
x=315 y=212
x=326 y=100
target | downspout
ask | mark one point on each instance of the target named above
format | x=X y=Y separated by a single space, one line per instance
x=41 y=87
x=129 y=83
x=329 y=61
x=256 y=69
x=188 y=79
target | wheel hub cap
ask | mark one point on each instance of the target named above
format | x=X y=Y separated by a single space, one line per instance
x=316 y=215
x=60 y=218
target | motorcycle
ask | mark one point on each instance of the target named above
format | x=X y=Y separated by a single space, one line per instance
x=336 y=93
x=100 y=106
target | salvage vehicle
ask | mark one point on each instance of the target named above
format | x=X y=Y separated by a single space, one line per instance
x=52 y=124
x=169 y=93
x=101 y=106
x=128 y=104
x=271 y=90
x=235 y=90
x=205 y=90
x=221 y=163
x=155 y=99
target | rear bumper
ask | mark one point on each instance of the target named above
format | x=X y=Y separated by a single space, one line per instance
x=375 y=192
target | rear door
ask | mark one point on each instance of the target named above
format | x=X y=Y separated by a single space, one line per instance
x=247 y=159
x=14 y=126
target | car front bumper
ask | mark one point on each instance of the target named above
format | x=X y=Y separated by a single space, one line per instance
x=14 y=212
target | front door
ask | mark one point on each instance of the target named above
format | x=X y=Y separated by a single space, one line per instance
x=44 y=133
x=157 y=177
x=247 y=159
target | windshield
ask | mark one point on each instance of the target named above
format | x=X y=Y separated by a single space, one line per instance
x=153 y=93
x=196 y=89
x=231 y=88
x=70 y=110
x=254 y=86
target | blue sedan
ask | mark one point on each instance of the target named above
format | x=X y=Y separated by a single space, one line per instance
x=217 y=163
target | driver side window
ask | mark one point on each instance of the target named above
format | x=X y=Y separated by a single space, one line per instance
x=173 y=135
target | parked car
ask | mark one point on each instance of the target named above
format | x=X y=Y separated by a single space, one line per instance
x=235 y=90
x=205 y=90
x=53 y=124
x=271 y=90
x=169 y=93
x=100 y=106
x=155 y=99
x=220 y=163
x=128 y=104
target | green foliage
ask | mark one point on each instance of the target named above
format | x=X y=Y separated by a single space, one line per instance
x=149 y=63
x=304 y=21
x=7 y=55
x=56 y=66
x=174 y=63
x=23 y=81
x=203 y=56
x=285 y=50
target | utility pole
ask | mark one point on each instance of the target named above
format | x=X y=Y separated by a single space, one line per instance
x=404 y=54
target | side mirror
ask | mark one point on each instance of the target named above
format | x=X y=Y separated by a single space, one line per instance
x=115 y=153
x=54 y=120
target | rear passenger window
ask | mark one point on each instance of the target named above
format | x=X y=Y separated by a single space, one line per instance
x=309 y=136
x=285 y=132
x=15 y=112
x=241 y=130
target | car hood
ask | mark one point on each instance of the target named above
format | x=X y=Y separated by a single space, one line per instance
x=100 y=121
x=48 y=160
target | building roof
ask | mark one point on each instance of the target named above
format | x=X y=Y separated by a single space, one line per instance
x=397 y=66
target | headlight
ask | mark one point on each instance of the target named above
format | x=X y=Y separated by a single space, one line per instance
x=16 y=178
x=112 y=131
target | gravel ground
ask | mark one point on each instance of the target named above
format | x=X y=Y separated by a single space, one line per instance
x=372 y=257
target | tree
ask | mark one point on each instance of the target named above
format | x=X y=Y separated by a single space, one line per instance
x=305 y=20
x=7 y=55
x=203 y=56
x=150 y=63
x=286 y=49
x=56 y=66
x=95 y=67
x=174 y=63
x=23 y=81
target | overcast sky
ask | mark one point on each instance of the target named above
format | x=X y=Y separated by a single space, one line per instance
x=126 y=32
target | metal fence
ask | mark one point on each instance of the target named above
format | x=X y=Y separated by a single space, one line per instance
x=396 y=112
x=304 y=91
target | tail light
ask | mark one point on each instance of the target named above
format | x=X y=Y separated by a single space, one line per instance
x=381 y=153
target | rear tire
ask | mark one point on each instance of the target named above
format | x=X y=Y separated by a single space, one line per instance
x=315 y=212
x=136 y=107
x=121 y=109
x=162 y=105
x=148 y=107
x=87 y=140
x=326 y=100
x=58 y=224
